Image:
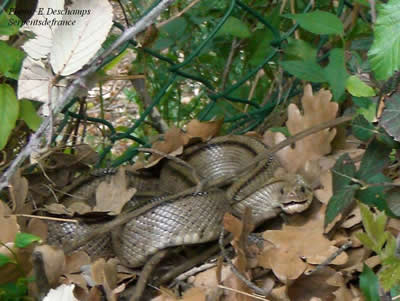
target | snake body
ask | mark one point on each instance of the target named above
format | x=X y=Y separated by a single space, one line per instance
x=197 y=217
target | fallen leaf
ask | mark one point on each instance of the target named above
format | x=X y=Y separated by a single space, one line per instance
x=111 y=197
x=54 y=262
x=285 y=263
x=316 y=285
x=18 y=189
x=317 y=108
x=205 y=130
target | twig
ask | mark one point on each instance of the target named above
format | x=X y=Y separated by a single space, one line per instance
x=81 y=80
x=196 y=177
x=373 y=11
x=174 y=272
x=229 y=62
x=146 y=273
x=243 y=293
x=56 y=219
x=250 y=284
x=193 y=3
x=330 y=258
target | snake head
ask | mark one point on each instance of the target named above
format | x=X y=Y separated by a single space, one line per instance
x=296 y=194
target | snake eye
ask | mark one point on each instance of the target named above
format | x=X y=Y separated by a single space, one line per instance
x=302 y=189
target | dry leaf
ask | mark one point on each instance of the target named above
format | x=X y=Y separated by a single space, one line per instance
x=205 y=130
x=307 y=241
x=54 y=262
x=315 y=285
x=317 y=109
x=8 y=225
x=111 y=197
x=18 y=191
x=38 y=227
x=285 y=263
x=105 y=274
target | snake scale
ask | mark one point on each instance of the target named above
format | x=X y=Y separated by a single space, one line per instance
x=195 y=217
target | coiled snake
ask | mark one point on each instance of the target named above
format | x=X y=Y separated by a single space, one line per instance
x=196 y=217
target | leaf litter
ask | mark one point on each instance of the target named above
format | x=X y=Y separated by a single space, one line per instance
x=281 y=265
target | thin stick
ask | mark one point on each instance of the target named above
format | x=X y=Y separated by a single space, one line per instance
x=243 y=293
x=47 y=218
x=193 y=3
x=173 y=158
x=330 y=258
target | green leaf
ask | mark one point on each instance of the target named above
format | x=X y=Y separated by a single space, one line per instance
x=343 y=192
x=9 y=108
x=14 y=291
x=375 y=195
x=335 y=73
x=384 y=54
x=391 y=115
x=23 y=240
x=300 y=50
x=9 y=24
x=390 y=274
x=4 y=259
x=235 y=27
x=11 y=61
x=374 y=160
x=374 y=225
x=259 y=43
x=305 y=70
x=301 y=61
x=369 y=284
x=319 y=22
x=28 y=114
x=362 y=128
x=357 y=87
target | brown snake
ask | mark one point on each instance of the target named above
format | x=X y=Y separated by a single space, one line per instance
x=196 y=217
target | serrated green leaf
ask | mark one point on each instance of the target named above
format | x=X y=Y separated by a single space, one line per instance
x=23 y=240
x=9 y=24
x=343 y=192
x=4 y=259
x=357 y=87
x=376 y=157
x=11 y=61
x=28 y=114
x=335 y=73
x=319 y=22
x=390 y=274
x=362 y=129
x=374 y=226
x=369 y=284
x=235 y=27
x=367 y=241
x=9 y=109
x=384 y=54
x=391 y=115
x=390 y=248
x=375 y=195
x=392 y=200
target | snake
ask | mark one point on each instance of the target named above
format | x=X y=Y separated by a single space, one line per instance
x=195 y=217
